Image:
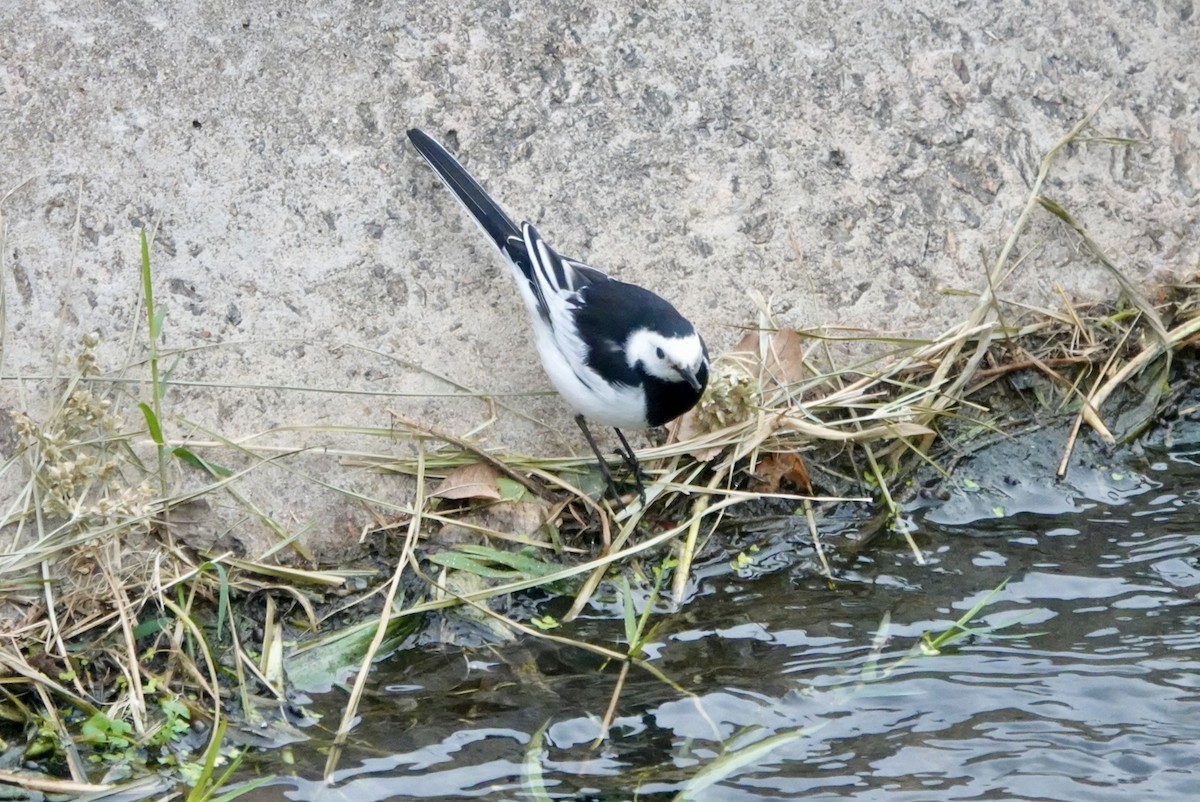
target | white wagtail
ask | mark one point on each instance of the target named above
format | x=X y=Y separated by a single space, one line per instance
x=618 y=354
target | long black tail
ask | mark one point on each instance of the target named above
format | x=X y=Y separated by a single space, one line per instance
x=491 y=218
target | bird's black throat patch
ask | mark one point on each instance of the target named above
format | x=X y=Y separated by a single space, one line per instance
x=666 y=401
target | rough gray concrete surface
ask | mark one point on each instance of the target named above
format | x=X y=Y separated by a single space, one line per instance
x=852 y=161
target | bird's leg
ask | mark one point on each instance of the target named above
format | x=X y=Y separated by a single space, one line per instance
x=587 y=435
x=632 y=461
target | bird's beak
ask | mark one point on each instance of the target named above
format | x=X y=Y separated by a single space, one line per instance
x=689 y=376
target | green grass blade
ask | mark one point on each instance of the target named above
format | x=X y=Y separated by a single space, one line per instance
x=533 y=780
x=732 y=762
x=152 y=425
x=629 y=613
x=189 y=457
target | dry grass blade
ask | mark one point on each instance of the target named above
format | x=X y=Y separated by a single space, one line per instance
x=1090 y=410
x=610 y=712
x=987 y=299
x=298 y=576
x=360 y=681
x=48 y=786
x=1174 y=338
x=467 y=446
x=132 y=665
x=508 y=622
x=1135 y=295
x=16 y=663
x=687 y=551
x=211 y=683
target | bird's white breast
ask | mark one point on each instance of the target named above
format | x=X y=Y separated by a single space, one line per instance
x=618 y=405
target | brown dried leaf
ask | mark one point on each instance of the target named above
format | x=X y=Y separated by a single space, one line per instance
x=774 y=468
x=782 y=363
x=684 y=428
x=476 y=480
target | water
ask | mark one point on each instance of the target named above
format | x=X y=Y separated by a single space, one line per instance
x=1093 y=694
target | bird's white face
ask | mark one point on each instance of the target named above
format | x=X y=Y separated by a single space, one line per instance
x=672 y=359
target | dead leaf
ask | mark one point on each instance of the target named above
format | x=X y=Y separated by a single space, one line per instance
x=684 y=428
x=476 y=480
x=779 y=355
x=774 y=468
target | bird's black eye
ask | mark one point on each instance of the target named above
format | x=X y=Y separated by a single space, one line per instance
x=660 y=353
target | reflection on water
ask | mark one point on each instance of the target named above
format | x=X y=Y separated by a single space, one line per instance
x=1095 y=694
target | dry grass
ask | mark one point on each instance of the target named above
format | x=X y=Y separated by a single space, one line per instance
x=109 y=620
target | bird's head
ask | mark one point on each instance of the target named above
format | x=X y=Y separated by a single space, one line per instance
x=682 y=359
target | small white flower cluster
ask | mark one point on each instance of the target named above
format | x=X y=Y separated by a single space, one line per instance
x=732 y=397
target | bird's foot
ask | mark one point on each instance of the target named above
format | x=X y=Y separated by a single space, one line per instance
x=635 y=471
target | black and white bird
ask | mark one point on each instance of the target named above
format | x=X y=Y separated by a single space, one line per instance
x=619 y=354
